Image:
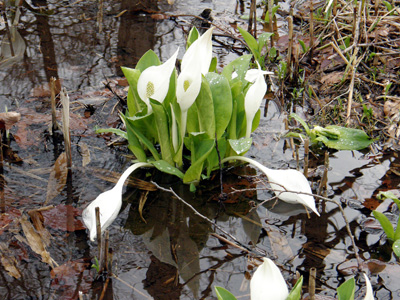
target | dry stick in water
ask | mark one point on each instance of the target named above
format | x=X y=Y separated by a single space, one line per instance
x=271 y=26
x=324 y=179
x=170 y=190
x=311 y=283
x=98 y=231
x=4 y=15
x=311 y=31
x=65 y=117
x=354 y=64
x=290 y=47
x=53 y=104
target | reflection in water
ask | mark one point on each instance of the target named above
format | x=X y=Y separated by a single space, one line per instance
x=137 y=31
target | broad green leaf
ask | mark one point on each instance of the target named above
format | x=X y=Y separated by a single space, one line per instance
x=295 y=293
x=396 y=248
x=134 y=144
x=148 y=59
x=205 y=110
x=213 y=64
x=223 y=294
x=165 y=167
x=161 y=120
x=201 y=147
x=251 y=43
x=130 y=125
x=240 y=65
x=350 y=139
x=222 y=100
x=116 y=131
x=212 y=162
x=135 y=104
x=301 y=121
x=171 y=95
x=385 y=223
x=240 y=146
x=346 y=290
x=193 y=35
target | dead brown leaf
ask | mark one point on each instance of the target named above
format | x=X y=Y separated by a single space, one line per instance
x=9 y=262
x=35 y=241
x=332 y=78
x=58 y=178
x=60 y=217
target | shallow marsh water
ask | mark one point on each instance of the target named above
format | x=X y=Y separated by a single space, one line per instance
x=172 y=255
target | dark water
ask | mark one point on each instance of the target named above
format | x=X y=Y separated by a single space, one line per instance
x=170 y=255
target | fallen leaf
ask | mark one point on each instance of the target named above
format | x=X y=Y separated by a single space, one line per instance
x=71 y=277
x=35 y=242
x=63 y=217
x=58 y=178
x=8 y=217
x=9 y=262
x=37 y=220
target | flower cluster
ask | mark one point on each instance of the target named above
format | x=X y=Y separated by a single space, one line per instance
x=170 y=114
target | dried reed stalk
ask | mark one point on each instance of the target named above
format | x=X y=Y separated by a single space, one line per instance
x=65 y=117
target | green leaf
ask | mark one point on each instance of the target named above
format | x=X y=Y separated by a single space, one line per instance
x=165 y=167
x=213 y=65
x=135 y=104
x=193 y=35
x=396 y=248
x=116 y=131
x=223 y=294
x=200 y=148
x=205 y=110
x=295 y=293
x=350 y=139
x=161 y=120
x=385 y=223
x=222 y=101
x=346 y=290
x=390 y=195
x=262 y=40
x=240 y=146
x=148 y=59
x=301 y=121
x=130 y=125
x=240 y=65
x=303 y=46
x=212 y=162
x=251 y=43
x=397 y=232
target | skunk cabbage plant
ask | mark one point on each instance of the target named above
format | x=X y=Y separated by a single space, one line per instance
x=171 y=113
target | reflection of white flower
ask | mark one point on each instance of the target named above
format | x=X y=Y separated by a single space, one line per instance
x=154 y=81
x=288 y=185
x=254 y=96
x=109 y=204
x=268 y=283
x=370 y=293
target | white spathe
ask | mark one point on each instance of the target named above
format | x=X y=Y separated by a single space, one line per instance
x=268 y=283
x=200 y=52
x=254 y=96
x=289 y=185
x=154 y=81
x=109 y=203
x=370 y=293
